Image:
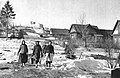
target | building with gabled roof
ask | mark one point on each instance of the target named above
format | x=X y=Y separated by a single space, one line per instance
x=93 y=33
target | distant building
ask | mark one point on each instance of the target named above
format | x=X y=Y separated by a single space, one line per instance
x=19 y=27
x=31 y=33
x=92 y=33
x=28 y=31
x=59 y=33
x=39 y=28
x=46 y=32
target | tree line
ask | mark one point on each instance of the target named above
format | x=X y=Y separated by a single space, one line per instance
x=7 y=14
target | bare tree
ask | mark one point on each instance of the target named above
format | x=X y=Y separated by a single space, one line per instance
x=70 y=48
x=110 y=49
x=85 y=36
x=81 y=19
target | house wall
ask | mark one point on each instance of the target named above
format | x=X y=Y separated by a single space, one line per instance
x=116 y=40
x=98 y=38
x=60 y=36
x=118 y=28
x=72 y=30
x=73 y=35
x=90 y=40
x=91 y=36
x=116 y=31
x=116 y=36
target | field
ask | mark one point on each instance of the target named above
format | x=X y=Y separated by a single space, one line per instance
x=86 y=67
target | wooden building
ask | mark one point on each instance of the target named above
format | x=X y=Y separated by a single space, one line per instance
x=91 y=33
x=59 y=33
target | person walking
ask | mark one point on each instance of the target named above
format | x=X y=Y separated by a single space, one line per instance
x=50 y=54
x=37 y=53
x=23 y=50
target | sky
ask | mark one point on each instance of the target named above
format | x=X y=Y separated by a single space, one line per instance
x=64 y=13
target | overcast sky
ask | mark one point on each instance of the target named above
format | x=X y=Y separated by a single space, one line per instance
x=63 y=13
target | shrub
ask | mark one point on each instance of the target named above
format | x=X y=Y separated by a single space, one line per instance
x=88 y=65
x=101 y=57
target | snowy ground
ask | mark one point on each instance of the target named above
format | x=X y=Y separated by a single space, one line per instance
x=86 y=67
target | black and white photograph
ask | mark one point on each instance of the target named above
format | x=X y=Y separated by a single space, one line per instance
x=59 y=38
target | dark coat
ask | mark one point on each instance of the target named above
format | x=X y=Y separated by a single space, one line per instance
x=50 y=49
x=37 y=51
x=23 y=49
x=22 y=53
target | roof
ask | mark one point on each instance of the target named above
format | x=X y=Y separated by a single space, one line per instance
x=118 y=21
x=59 y=31
x=80 y=27
x=91 y=28
x=29 y=30
x=104 y=32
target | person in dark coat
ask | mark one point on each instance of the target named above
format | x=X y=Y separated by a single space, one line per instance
x=37 y=53
x=23 y=50
x=50 y=52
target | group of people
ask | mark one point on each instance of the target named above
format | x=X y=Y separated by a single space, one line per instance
x=38 y=53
